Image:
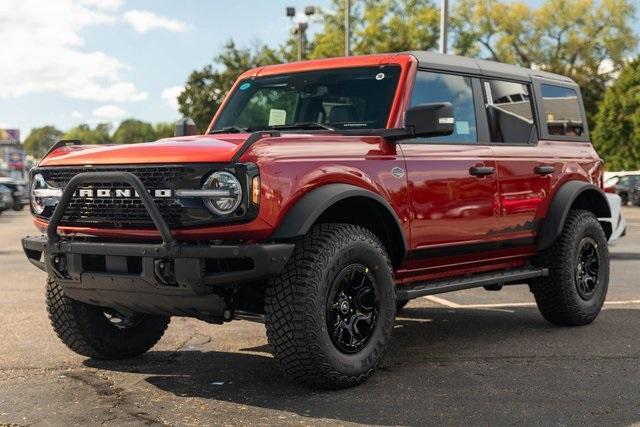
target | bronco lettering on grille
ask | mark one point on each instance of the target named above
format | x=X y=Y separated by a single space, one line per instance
x=118 y=193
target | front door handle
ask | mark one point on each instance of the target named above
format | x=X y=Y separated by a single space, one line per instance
x=481 y=170
x=544 y=170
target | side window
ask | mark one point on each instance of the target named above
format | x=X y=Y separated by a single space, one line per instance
x=562 y=111
x=432 y=87
x=509 y=112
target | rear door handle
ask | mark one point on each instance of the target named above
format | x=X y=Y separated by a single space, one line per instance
x=481 y=170
x=544 y=170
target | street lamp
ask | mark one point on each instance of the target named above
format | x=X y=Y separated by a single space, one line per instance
x=300 y=28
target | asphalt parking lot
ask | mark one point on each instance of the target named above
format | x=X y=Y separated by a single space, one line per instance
x=472 y=357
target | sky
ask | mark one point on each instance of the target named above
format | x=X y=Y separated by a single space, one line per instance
x=67 y=62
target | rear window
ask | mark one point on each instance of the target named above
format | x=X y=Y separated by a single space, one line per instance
x=562 y=111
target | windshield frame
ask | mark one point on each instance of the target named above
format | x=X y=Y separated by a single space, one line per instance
x=395 y=100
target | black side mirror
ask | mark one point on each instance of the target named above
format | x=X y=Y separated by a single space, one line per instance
x=185 y=127
x=430 y=119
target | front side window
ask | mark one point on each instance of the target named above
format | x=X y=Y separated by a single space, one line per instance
x=433 y=87
x=509 y=111
x=349 y=98
x=562 y=111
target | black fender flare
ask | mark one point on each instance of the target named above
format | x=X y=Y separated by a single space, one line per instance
x=304 y=213
x=586 y=195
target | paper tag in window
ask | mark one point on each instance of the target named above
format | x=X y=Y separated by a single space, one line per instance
x=277 y=117
x=462 y=127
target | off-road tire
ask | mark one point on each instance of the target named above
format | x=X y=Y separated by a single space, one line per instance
x=17 y=207
x=557 y=295
x=86 y=330
x=296 y=301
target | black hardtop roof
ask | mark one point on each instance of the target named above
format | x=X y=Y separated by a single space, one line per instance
x=463 y=64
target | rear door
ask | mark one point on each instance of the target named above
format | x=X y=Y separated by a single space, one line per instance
x=525 y=168
x=452 y=179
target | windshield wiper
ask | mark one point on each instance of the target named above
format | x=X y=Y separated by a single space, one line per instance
x=230 y=129
x=304 y=125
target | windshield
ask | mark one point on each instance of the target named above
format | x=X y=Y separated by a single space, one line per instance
x=350 y=98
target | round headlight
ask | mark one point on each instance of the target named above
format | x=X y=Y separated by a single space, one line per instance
x=37 y=203
x=230 y=193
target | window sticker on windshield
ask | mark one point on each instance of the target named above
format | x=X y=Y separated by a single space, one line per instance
x=379 y=76
x=277 y=117
x=462 y=127
x=245 y=86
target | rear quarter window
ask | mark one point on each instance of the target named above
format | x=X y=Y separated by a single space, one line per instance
x=562 y=111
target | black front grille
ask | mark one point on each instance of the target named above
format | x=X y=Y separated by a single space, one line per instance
x=129 y=212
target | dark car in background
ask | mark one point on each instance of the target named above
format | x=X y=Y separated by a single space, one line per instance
x=635 y=194
x=625 y=187
x=6 y=199
x=18 y=190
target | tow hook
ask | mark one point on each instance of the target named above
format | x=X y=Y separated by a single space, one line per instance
x=59 y=264
x=165 y=272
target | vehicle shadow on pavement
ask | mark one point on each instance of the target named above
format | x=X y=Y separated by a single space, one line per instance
x=438 y=359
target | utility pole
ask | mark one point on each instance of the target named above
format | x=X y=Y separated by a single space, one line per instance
x=444 y=25
x=347 y=28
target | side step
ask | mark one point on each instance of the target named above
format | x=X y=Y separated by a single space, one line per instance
x=507 y=277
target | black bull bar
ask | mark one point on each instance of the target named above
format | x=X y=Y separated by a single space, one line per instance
x=169 y=278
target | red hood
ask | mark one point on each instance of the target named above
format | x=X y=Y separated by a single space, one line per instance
x=192 y=149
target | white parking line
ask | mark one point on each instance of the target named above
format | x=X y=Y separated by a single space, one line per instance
x=451 y=304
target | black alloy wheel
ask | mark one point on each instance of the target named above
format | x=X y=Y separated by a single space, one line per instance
x=352 y=308
x=587 y=268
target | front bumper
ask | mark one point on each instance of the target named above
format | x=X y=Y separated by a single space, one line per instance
x=187 y=280
x=169 y=278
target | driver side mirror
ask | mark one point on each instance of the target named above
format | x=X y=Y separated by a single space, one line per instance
x=430 y=120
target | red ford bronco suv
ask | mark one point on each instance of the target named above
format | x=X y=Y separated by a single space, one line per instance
x=323 y=196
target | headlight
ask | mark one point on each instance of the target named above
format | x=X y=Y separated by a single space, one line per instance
x=229 y=193
x=42 y=194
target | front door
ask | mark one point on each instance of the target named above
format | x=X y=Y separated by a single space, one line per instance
x=452 y=179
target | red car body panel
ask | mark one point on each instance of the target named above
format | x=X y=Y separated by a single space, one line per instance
x=438 y=203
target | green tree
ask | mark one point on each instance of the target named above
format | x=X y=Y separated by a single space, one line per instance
x=585 y=40
x=164 y=130
x=206 y=88
x=378 y=26
x=617 y=132
x=84 y=133
x=41 y=139
x=133 y=131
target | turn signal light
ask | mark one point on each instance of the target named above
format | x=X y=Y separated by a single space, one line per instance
x=255 y=190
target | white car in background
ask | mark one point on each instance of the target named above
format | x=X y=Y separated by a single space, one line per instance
x=618 y=224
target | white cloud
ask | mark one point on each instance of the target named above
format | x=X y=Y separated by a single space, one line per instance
x=44 y=42
x=109 y=112
x=170 y=95
x=75 y=114
x=103 y=4
x=143 y=21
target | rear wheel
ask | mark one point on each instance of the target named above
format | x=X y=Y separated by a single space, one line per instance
x=578 y=262
x=100 y=332
x=330 y=314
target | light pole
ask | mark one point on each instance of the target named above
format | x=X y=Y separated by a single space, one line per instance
x=300 y=28
x=444 y=25
x=347 y=28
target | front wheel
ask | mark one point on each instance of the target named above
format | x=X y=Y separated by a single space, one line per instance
x=99 y=332
x=330 y=313
x=578 y=262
